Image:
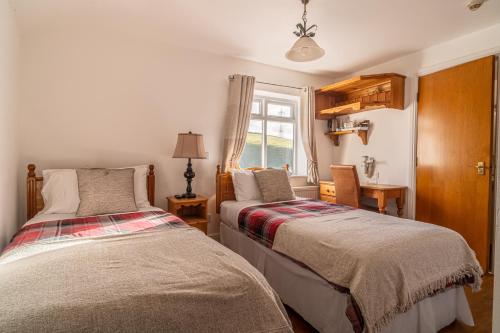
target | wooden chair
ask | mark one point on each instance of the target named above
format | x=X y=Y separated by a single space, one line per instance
x=347 y=187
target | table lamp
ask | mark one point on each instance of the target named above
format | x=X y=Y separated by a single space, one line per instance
x=189 y=145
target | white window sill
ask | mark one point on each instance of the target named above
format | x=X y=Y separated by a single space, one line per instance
x=298 y=180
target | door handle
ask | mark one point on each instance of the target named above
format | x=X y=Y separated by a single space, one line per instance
x=480 y=168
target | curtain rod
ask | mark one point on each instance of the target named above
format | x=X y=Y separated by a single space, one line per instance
x=270 y=84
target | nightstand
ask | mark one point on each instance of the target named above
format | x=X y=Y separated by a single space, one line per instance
x=192 y=211
x=327 y=191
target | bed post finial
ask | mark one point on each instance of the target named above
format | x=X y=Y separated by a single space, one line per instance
x=31 y=170
x=31 y=191
x=218 y=169
x=287 y=167
x=150 y=185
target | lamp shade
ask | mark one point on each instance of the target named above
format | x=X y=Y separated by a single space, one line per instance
x=305 y=49
x=189 y=145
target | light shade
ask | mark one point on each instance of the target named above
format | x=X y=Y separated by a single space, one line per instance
x=305 y=49
x=189 y=145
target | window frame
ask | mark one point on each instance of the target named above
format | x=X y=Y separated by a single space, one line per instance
x=263 y=116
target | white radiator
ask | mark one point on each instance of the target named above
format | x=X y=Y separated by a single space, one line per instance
x=308 y=191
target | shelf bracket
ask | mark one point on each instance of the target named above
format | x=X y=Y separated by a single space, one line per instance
x=364 y=136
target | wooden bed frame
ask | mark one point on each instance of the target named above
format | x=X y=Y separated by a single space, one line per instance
x=34 y=188
x=224 y=188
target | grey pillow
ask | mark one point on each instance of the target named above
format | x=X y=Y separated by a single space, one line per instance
x=105 y=191
x=274 y=185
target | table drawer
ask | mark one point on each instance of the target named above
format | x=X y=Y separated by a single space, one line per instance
x=327 y=189
x=328 y=198
x=201 y=226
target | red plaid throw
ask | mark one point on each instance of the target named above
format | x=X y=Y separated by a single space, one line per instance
x=261 y=222
x=92 y=226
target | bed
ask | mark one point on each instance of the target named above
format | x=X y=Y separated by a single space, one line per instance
x=327 y=306
x=141 y=271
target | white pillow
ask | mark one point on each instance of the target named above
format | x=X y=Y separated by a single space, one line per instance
x=245 y=185
x=140 y=189
x=60 y=191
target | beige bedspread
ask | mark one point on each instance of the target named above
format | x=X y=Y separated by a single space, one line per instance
x=165 y=281
x=387 y=263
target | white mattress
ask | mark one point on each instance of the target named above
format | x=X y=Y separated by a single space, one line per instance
x=53 y=217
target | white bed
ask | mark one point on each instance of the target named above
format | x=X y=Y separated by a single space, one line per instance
x=317 y=301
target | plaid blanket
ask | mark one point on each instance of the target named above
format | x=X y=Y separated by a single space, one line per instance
x=92 y=226
x=261 y=222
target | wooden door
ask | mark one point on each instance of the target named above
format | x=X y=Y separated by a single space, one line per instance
x=455 y=131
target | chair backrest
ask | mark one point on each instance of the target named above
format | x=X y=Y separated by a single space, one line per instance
x=347 y=187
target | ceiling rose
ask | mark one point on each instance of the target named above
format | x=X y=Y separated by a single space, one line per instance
x=305 y=48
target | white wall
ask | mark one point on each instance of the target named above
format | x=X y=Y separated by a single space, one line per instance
x=8 y=123
x=391 y=140
x=98 y=100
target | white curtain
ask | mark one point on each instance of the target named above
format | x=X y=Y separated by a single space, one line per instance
x=237 y=119
x=306 y=126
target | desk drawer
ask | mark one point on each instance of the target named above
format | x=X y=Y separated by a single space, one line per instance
x=327 y=189
x=328 y=198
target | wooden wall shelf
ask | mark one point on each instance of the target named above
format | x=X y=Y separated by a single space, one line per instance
x=362 y=133
x=360 y=94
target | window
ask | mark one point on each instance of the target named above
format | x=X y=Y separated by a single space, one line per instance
x=272 y=134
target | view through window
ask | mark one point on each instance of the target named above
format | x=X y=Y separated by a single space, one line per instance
x=272 y=134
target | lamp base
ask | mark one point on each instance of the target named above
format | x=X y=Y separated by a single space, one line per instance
x=185 y=196
x=189 y=174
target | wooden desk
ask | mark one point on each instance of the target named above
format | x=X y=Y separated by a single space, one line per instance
x=382 y=193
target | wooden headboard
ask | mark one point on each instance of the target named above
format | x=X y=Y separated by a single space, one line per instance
x=34 y=190
x=224 y=189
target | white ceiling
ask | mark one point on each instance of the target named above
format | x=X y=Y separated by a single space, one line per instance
x=355 y=33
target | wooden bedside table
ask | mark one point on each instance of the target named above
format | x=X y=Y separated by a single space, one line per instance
x=192 y=211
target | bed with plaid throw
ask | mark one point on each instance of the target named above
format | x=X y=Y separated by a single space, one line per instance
x=385 y=264
x=132 y=272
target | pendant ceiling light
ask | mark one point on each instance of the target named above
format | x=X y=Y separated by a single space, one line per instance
x=305 y=48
